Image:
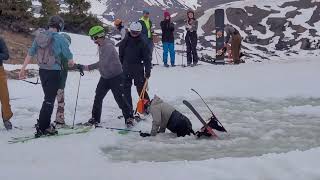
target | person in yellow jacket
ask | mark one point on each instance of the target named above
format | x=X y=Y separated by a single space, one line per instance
x=4 y=93
x=147 y=32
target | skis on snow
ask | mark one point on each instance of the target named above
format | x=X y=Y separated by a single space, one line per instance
x=62 y=132
x=206 y=126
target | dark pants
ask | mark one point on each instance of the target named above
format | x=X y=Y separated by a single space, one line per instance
x=180 y=124
x=50 y=81
x=191 y=42
x=135 y=73
x=116 y=86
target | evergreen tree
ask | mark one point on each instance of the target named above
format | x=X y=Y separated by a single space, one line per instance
x=49 y=8
x=77 y=7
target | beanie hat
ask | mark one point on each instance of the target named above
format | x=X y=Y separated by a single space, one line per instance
x=166 y=14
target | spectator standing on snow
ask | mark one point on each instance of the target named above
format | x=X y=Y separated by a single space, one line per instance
x=191 y=39
x=167 y=28
x=147 y=32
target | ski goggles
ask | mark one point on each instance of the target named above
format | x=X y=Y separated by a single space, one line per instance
x=97 y=36
x=135 y=33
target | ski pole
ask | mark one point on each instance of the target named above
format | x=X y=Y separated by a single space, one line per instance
x=75 y=108
x=183 y=47
x=118 y=129
x=209 y=108
x=34 y=83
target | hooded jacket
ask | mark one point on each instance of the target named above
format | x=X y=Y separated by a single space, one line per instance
x=161 y=113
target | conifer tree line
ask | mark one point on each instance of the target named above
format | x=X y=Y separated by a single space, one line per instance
x=17 y=15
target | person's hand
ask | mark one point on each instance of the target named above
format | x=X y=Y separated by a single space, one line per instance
x=147 y=75
x=145 y=134
x=22 y=73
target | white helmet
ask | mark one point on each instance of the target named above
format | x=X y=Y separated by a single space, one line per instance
x=136 y=27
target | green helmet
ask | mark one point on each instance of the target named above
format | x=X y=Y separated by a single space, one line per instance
x=67 y=37
x=97 y=31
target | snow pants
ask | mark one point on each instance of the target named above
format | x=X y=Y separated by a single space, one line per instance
x=191 y=42
x=60 y=98
x=50 y=81
x=179 y=124
x=135 y=73
x=4 y=96
x=116 y=86
x=168 y=48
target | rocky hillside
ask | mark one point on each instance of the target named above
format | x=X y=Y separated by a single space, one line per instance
x=269 y=28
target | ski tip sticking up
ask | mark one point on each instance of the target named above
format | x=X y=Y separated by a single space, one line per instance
x=206 y=130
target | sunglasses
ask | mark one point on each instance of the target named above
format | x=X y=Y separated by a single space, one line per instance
x=101 y=35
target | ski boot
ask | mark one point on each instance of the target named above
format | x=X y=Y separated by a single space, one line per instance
x=7 y=124
x=50 y=131
x=91 y=122
x=129 y=122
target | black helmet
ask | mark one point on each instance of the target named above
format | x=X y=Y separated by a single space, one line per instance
x=56 y=22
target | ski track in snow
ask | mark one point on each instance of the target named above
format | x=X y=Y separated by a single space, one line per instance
x=270 y=109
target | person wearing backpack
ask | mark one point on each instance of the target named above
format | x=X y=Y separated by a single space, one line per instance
x=48 y=47
x=134 y=56
x=111 y=78
x=4 y=92
x=167 y=28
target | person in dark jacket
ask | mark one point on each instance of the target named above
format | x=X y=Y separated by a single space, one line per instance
x=167 y=28
x=147 y=32
x=135 y=59
x=4 y=92
x=191 y=39
x=165 y=117
x=111 y=71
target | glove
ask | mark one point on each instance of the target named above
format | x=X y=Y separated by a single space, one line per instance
x=145 y=134
x=147 y=75
x=80 y=67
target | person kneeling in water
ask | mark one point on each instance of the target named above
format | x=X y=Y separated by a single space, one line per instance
x=165 y=117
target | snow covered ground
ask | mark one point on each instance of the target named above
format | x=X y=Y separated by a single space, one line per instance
x=271 y=110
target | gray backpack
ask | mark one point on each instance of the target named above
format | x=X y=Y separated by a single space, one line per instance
x=45 y=55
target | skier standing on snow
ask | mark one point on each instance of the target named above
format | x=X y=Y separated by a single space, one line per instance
x=60 y=120
x=136 y=62
x=191 y=39
x=121 y=28
x=147 y=32
x=235 y=42
x=167 y=28
x=165 y=117
x=48 y=47
x=4 y=92
x=111 y=77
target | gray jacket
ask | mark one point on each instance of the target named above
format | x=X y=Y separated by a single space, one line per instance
x=4 y=53
x=230 y=31
x=192 y=27
x=161 y=113
x=109 y=63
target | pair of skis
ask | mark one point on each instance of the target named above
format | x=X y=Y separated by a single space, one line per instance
x=216 y=124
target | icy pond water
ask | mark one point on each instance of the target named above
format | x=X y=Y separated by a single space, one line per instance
x=256 y=127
